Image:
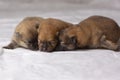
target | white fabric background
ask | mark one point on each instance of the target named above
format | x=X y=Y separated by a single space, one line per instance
x=23 y=64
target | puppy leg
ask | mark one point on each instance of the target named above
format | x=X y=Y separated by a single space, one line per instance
x=104 y=43
x=12 y=45
x=100 y=41
x=96 y=40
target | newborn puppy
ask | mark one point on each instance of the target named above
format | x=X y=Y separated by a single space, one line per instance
x=93 y=32
x=48 y=33
x=26 y=34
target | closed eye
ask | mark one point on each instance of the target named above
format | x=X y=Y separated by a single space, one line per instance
x=51 y=43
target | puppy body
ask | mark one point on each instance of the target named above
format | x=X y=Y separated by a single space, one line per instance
x=48 y=32
x=93 y=32
x=25 y=34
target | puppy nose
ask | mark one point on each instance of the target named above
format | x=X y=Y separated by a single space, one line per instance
x=35 y=46
x=44 y=47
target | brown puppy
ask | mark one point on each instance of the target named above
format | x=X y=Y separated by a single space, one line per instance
x=26 y=34
x=93 y=32
x=48 y=33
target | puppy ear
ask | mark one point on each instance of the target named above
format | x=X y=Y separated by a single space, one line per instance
x=73 y=40
x=18 y=35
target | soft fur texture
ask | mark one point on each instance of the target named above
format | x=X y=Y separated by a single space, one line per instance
x=93 y=32
x=26 y=34
x=48 y=33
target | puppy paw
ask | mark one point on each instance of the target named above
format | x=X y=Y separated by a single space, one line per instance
x=8 y=47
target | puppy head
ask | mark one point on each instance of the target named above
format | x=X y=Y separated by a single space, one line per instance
x=47 y=43
x=68 y=39
x=47 y=39
x=26 y=38
x=48 y=33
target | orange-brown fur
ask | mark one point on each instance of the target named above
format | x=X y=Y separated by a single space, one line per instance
x=25 y=31
x=48 y=32
x=93 y=32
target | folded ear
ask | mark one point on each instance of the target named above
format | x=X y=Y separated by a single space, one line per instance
x=12 y=45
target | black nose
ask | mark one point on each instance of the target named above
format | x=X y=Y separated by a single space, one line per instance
x=33 y=47
x=44 y=46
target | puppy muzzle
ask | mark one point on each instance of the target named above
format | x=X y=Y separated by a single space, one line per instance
x=45 y=47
